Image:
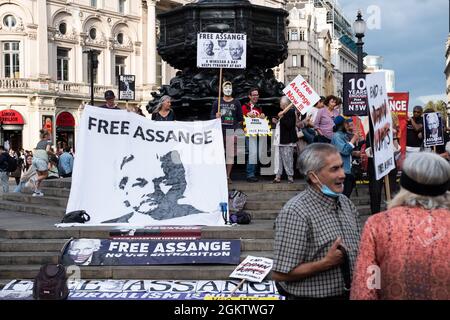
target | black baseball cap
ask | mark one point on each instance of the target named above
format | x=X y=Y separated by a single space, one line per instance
x=109 y=94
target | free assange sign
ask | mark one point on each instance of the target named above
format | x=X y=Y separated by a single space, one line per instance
x=133 y=171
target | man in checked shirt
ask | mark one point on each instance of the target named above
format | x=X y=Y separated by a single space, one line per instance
x=314 y=229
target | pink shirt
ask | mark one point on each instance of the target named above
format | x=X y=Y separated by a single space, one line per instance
x=325 y=121
x=411 y=248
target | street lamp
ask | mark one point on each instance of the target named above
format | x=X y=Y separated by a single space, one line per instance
x=92 y=55
x=359 y=26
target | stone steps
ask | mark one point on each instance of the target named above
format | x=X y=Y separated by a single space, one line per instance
x=31 y=245
x=46 y=210
x=28 y=199
x=56 y=245
x=258 y=229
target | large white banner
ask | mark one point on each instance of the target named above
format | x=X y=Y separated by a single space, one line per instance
x=135 y=171
x=301 y=94
x=380 y=114
x=221 y=50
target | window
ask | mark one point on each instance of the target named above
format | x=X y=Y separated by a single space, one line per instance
x=62 y=28
x=94 y=3
x=122 y=6
x=62 y=61
x=9 y=21
x=93 y=33
x=294 y=35
x=11 y=62
x=294 y=60
x=120 y=38
x=120 y=67
x=302 y=61
x=302 y=35
x=95 y=60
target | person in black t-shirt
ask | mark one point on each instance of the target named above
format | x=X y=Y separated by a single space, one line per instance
x=414 y=131
x=231 y=116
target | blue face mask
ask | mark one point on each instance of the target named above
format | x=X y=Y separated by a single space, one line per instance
x=326 y=190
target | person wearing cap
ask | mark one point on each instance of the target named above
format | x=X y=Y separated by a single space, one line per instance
x=345 y=147
x=404 y=251
x=110 y=98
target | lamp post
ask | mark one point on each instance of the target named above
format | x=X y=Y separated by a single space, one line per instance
x=359 y=26
x=93 y=65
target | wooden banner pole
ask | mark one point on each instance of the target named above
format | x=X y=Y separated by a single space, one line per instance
x=220 y=89
x=238 y=286
x=387 y=188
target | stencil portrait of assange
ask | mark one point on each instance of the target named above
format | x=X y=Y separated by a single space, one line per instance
x=156 y=197
x=81 y=251
x=433 y=126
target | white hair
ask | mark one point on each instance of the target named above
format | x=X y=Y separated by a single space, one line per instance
x=313 y=157
x=428 y=169
x=284 y=101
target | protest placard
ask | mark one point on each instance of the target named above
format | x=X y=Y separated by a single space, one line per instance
x=301 y=94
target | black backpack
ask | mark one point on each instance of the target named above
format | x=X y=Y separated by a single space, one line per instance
x=12 y=163
x=79 y=216
x=241 y=217
x=51 y=283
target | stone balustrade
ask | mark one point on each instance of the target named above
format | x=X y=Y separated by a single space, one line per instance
x=61 y=88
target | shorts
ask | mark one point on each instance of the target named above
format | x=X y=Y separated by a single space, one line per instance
x=40 y=164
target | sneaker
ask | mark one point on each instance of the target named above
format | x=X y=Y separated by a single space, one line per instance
x=290 y=180
x=252 y=179
x=38 y=194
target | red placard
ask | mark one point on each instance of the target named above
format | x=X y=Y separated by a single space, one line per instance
x=65 y=119
x=398 y=103
x=11 y=116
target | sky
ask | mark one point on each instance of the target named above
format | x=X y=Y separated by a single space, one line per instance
x=411 y=36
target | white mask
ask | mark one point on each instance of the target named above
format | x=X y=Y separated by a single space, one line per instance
x=227 y=91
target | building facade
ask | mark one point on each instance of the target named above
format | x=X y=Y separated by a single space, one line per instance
x=45 y=69
x=321 y=48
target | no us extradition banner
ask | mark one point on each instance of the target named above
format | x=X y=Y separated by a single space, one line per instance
x=96 y=252
x=134 y=171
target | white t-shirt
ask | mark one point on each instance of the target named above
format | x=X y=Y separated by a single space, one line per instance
x=313 y=112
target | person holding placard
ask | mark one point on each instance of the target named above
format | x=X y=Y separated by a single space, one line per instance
x=288 y=138
x=414 y=131
x=251 y=110
x=231 y=115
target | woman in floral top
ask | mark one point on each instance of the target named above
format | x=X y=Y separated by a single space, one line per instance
x=404 y=252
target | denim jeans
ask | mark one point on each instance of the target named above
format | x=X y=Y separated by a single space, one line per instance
x=4 y=178
x=251 y=146
x=20 y=186
x=308 y=135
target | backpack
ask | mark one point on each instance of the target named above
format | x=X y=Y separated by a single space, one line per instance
x=240 y=217
x=12 y=164
x=79 y=216
x=236 y=200
x=51 y=283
